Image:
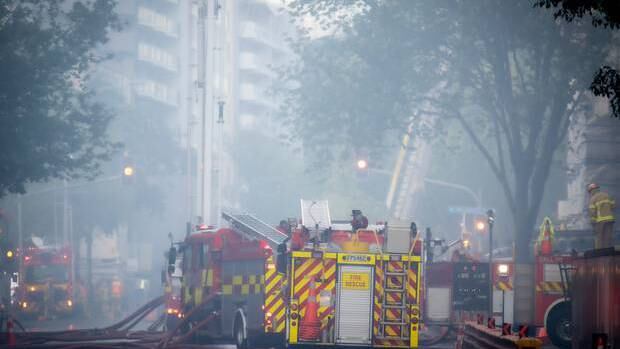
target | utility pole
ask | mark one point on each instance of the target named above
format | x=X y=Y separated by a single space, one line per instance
x=202 y=58
x=189 y=177
x=20 y=232
x=65 y=212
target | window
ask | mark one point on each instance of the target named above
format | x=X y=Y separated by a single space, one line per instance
x=157 y=21
x=157 y=91
x=157 y=56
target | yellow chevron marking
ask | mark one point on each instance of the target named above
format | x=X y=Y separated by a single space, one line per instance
x=302 y=268
x=309 y=274
x=269 y=287
x=227 y=289
x=245 y=289
x=276 y=305
x=237 y=280
x=390 y=331
x=281 y=326
x=210 y=277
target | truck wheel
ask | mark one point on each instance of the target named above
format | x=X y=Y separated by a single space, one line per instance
x=240 y=339
x=558 y=325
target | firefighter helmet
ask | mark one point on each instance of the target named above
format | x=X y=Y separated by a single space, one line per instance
x=592 y=186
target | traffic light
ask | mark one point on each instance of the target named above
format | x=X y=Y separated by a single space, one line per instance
x=8 y=258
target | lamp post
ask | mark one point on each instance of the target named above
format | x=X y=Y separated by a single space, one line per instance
x=490 y=221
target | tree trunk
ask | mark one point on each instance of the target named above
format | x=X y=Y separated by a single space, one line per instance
x=524 y=268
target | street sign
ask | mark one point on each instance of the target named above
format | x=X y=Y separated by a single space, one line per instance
x=471 y=286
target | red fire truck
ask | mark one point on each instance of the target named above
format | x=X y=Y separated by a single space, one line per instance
x=46 y=287
x=328 y=288
x=552 y=300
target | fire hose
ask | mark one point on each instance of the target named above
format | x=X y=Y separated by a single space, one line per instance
x=117 y=331
x=186 y=320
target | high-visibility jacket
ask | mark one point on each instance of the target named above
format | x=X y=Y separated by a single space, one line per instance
x=602 y=208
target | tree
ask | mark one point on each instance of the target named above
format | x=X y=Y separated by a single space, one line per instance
x=50 y=125
x=498 y=70
x=605 y=13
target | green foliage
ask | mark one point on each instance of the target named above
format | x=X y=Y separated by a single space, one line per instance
x=607 y=84
x=50 y=125
x=507 y=77
x=605 y=13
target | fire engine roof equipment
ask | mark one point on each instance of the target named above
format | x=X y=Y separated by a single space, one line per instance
x=254 y=229
x=315 y=212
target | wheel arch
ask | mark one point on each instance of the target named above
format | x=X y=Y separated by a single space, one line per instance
x=240 y=314
x=551 y=306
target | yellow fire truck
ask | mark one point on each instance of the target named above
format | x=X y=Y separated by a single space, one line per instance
x=325 y=284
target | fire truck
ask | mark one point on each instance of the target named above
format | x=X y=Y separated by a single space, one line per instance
x=317 y=284
x=552 y=276
x=46 y=287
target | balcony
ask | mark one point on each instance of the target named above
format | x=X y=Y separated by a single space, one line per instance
x=158 y=92
x=251 y=62
x=157 y=22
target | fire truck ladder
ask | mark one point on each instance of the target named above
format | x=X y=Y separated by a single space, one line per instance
x=394 y=302
x=254 y=229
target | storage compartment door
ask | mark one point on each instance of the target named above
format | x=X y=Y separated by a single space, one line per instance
x=354 y=308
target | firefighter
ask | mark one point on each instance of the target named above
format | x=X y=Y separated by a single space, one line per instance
x=602 y=216
x=359 y=221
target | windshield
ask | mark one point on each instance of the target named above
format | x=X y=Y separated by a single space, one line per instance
x=42 y=273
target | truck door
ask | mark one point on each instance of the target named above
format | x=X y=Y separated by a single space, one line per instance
x=354 y=315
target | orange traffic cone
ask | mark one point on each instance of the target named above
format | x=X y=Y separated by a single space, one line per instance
x=310 y=325
x=542 y=334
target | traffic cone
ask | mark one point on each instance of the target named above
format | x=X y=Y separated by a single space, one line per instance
x=542 y=334
x=310 y=325
x=545 y=244
x=600 y=344
x=506 y=329
x=10 y=336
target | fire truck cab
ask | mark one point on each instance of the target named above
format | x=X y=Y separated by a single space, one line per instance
x=46 y=286
x=327 y=288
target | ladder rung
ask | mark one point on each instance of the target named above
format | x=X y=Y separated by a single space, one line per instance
x=392 y=306
x=395 y=290
x=395 y=337
x=392 y=273
x=394 y=323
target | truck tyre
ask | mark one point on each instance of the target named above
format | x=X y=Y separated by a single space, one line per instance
x=239 y=332
x=558 y=325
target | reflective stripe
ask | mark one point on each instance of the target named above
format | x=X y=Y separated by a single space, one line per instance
x=602 y=219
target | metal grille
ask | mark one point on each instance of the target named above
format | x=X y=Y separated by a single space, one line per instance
x=254 y=228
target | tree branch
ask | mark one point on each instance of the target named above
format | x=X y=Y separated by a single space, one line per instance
x=487 y=155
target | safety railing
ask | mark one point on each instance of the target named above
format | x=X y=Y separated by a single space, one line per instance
x=478 y=336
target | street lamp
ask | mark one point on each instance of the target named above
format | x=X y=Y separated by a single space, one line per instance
x=491 y=221
x=362 y=164
x=128 y=171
